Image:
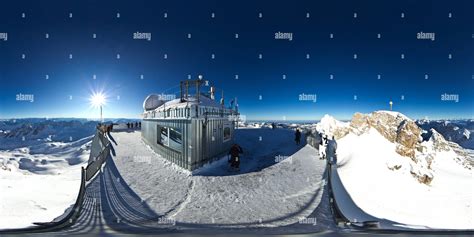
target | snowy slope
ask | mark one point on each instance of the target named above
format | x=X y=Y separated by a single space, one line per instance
x=40 y=177
x=364 y=167
x=27 y=198
x=381 y=182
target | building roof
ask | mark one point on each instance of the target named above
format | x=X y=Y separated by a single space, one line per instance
x=191 y=100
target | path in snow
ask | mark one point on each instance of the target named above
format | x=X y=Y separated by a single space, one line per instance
x=265 y=193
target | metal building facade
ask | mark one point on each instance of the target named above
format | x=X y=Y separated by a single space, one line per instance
x=202 y=130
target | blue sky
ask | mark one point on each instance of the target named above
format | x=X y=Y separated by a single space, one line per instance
x=65 y=93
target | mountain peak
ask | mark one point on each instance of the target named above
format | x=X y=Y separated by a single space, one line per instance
x=392 y=113
x=330 y=126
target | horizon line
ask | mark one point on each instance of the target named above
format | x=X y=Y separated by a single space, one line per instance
x=249 y=120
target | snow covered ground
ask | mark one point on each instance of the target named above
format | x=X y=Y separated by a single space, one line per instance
x=40 y=177
x=279 y=183
x=380 y=182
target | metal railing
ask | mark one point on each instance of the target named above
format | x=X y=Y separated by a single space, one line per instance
x=94 y=166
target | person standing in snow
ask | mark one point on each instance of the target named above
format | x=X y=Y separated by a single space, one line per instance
x=298 y=136
x=322 y=148
x=331 y=151
x=234 y=152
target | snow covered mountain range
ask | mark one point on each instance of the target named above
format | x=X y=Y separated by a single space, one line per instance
x=458 y=131
x=26 y=132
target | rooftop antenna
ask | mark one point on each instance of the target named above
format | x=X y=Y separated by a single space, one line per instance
x=236 y=105
x=184 y=91
x=187 y=89
x=198 y=85
x=212 y=91
x=222 y=98
x=186 y=84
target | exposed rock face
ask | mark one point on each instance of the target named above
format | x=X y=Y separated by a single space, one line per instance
x=386 y=124
x=408 y=138
x=339 y=133
x=423 y=178
x=405 y=151
x=393 y=126
x=439 y=143
x=359 y=123
x=408 y=134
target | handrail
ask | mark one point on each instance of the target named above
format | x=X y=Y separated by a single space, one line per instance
x=93 y=167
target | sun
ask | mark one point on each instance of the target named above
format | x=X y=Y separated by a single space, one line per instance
x=97 y=99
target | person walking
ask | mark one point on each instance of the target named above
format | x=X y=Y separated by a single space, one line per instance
x=298 y=136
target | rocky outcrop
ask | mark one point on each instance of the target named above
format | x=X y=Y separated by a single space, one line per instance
x=406 y=134
x=359 y=123
x=424 y=178
x=398 y=129
x=408 y=137
x=439 y=143
x=395 y=127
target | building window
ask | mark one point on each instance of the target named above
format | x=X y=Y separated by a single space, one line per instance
x=163 y=136
x=227 y=132
x=170 y=137
x=175 y=139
